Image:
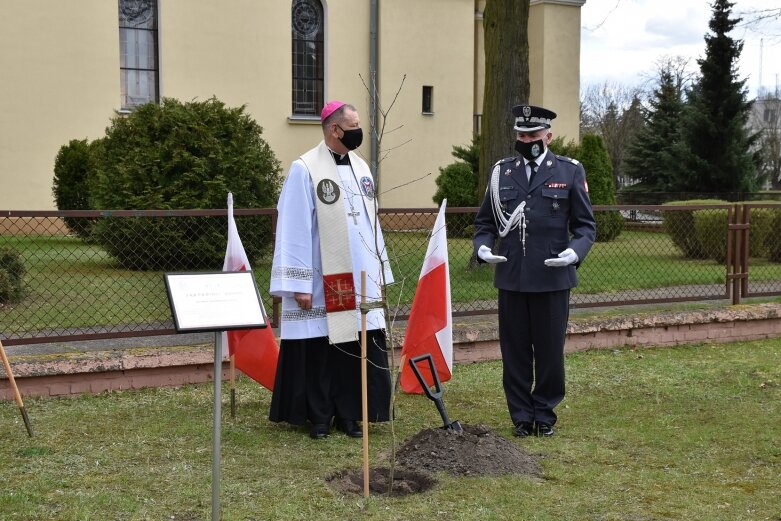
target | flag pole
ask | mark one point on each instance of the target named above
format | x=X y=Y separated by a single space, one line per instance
x=364 y=392
x=17 y=396
x=233 y=385
x=216 y=442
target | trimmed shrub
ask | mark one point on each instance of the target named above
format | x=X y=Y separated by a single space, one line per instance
x=680 y=226
x=11 y=276
x=710 y=227
x=774 y=242
x=72 y=169
x=183 y=156
x=762 y=232
x=599 y=173
x=457 y=182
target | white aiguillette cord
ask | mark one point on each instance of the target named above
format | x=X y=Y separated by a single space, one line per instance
x=517 y=219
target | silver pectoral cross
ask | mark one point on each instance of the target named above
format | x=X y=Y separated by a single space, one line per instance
x=354 y=215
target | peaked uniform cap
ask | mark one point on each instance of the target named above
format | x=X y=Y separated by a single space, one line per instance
x=529 y=118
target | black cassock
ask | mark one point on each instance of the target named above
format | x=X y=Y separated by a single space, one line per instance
x=317 y=381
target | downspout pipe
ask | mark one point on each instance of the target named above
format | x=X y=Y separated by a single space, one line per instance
x=374 y=164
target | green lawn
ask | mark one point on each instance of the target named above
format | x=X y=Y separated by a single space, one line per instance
x=655 y=434
x=71 y=284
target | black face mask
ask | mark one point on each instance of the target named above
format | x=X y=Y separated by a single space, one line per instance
x=530 y=151
x=352 y=138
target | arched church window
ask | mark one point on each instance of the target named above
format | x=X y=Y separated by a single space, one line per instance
x=308 y=26
x=138 y=61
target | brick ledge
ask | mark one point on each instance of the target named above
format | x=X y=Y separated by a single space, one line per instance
x=474 y=340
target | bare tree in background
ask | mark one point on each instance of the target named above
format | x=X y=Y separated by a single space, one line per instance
x=766 y=117
x=613 y=111
x=505 y=23
x=759 y=19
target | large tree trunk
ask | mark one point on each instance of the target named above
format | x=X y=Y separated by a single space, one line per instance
x=505 y=24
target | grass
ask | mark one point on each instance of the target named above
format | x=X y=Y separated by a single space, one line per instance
x=655 y=434
x=71 y=284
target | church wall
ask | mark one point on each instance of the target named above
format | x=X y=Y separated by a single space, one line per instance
x=60 y=64
x=60 y=81
x=417 y=40
x=554 y=62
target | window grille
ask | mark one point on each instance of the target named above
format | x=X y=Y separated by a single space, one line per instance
x=307 y=24
x=138 y=52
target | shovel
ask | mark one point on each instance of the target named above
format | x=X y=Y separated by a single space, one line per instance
x=436 y=394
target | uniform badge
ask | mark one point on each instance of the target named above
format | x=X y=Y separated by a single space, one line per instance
x=548 y=163
x=527 y=111
x=535 y=150
x=517 y=164
x=555 y=205
x=507 y=172
x=327 y=191
x=367 y=187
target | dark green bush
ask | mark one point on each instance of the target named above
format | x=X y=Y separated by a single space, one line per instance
x=710 y=227
x=11 y=276
x=762 y=232
x=457 y=182
x=599 y=173
x=71 y=186
x=183 y=156
x=610 y=224
x=680 y=226
x=774 y=241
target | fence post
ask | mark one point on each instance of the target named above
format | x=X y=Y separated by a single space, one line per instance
x=737 y=251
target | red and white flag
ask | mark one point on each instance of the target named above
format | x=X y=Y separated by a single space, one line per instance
x=430 y=324
x=256 y=350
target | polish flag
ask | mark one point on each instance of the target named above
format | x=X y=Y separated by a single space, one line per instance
x=255 y=350
x=430 y=325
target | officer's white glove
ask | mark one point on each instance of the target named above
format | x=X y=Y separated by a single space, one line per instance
x=484 y=252
x=565 y=258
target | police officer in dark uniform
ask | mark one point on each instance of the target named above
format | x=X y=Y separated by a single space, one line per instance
x=536 y=225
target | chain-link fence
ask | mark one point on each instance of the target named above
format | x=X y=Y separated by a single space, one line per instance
x=85 y=275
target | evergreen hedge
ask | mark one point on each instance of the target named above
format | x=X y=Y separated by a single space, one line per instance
x=12 y=272
x=599 y=174
x=680 y=226
x=774 y=243
x=457 y=182
x=71 y=188
x=183 y=156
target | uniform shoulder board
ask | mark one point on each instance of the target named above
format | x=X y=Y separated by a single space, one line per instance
x=506 y=159
x=565 y=158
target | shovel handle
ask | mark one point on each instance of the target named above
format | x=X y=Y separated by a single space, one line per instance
x=437 y=393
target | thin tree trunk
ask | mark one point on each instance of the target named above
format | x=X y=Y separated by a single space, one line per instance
x=505 y=23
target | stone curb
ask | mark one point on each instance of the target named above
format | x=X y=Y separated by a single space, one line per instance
x=475 y=339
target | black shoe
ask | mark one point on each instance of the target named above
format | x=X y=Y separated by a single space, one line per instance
x=544 y=430
x=319 y=431
x=349 y=427
x=523 y=429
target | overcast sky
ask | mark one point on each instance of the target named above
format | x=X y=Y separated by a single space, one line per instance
x=622 y=40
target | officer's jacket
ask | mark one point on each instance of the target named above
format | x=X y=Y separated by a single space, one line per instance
x=558 y=216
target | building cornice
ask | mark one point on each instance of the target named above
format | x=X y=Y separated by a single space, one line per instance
x=571 y=3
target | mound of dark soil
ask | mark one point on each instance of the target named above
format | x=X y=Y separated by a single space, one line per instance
x=476 y=451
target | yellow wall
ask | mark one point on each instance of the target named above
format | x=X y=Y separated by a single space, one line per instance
x=410 y=45
x=554 y=62
x=60 y=81
x=60 y=63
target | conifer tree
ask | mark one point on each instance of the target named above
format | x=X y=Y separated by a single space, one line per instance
x=602 y=191
x=714 y=131
x=653 y=156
